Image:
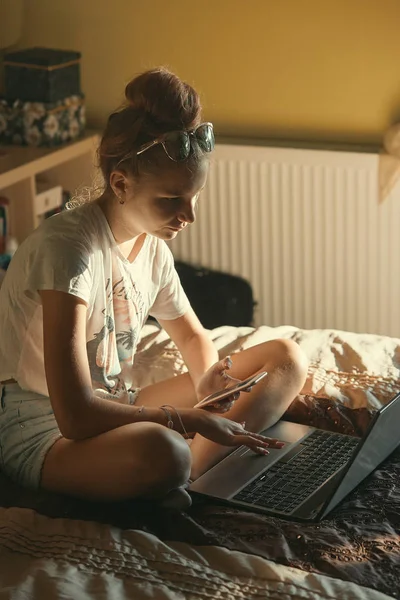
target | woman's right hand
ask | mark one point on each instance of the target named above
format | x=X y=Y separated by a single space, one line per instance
x=230 y=433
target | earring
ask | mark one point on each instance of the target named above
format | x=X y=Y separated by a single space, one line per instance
x=120 y=200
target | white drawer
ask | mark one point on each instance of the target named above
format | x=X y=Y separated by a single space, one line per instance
x=47 y=199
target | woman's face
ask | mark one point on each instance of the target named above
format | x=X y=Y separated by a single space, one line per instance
x=164 y=204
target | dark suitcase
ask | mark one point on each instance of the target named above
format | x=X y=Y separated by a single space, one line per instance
x=217 y=298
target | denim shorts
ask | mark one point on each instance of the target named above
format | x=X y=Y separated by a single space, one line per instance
x=28 y=429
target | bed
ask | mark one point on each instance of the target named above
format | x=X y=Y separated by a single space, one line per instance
x=58 y=547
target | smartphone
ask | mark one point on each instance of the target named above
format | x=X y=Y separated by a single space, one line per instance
x=238 y=387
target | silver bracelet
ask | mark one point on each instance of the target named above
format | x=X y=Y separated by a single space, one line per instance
x=185 y=433
x=170 y=423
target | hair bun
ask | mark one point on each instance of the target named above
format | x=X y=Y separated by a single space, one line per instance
x=157 y=101
x=163 y=98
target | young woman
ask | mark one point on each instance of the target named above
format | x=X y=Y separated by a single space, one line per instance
x=72 y=305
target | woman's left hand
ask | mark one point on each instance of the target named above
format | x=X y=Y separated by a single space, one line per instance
x=216 y=379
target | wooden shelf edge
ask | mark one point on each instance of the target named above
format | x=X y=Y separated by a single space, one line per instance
x=36 y=160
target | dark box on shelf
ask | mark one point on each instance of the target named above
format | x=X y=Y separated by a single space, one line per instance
x=41 y=74
x=42 y=123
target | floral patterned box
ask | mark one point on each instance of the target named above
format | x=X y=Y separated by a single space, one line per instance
x=42 y=124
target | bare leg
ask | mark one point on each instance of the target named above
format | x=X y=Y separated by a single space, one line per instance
x=267 y=401
x=142 y=459
x=261 y=408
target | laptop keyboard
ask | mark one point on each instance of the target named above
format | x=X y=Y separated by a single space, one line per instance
x=286 y=484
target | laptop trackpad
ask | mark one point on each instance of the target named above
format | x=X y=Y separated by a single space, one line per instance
x=236 y=470
x=228 y=476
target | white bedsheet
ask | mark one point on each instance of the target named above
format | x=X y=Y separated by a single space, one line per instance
x=360 y=370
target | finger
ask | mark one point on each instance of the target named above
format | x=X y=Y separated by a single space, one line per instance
x=246 y=439
x=272 y=442
x=260 y=450
x=254 y=441
x=276 y=443
x=228 y=362
x=223 y=365
x=223 y=407
x=228 y=400
x=251 y=444
x=226 y=407
x=230 y=378
x=219 y=407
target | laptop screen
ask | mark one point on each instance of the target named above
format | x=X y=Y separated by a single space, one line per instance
x=380 y=440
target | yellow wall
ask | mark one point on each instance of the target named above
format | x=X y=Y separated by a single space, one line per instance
x=294 y=69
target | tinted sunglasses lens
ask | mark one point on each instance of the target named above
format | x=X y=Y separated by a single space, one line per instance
x=177 y=145
x=205 y=137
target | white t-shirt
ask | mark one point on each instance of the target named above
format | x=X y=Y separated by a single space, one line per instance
x=75 y=252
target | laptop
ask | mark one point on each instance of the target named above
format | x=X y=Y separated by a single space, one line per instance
x=307 y=478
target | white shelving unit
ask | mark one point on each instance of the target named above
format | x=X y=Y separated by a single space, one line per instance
x=32 y=178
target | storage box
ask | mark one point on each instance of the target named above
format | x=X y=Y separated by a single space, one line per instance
x=41 y=74
x=42 y=124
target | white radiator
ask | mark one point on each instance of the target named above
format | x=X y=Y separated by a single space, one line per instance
x=306 y=229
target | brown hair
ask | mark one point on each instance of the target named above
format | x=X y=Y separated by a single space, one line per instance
x=157 y=101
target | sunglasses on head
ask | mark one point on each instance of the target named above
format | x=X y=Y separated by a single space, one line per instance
x=177 y=144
